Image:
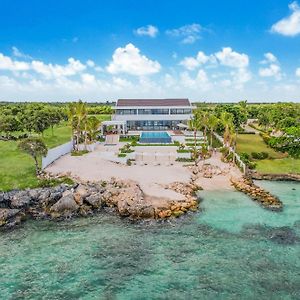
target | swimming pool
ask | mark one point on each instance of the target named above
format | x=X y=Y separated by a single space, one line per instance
x=155 y=137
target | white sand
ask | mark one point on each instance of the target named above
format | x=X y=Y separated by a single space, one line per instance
x=96 y=166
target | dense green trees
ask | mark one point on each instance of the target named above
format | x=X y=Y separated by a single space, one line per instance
x=17 y=119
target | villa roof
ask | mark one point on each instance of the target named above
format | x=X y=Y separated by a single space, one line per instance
x=153 y=102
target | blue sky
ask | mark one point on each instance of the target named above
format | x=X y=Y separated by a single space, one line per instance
x=102 y=50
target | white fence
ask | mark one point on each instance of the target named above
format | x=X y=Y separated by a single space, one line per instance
x=236 y=157
x=55 y=153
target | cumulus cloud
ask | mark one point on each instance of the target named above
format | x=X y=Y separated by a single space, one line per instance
x=273 y=70
x=187 y=33
x=201 y=81
x=269 y=58
x=298 y=72
x=6 y=63
x=148 y=30
x=129 y=60
x=230 y=58
x=53 y=71
x=18 y=53
x=289 y=26
x=192 y=63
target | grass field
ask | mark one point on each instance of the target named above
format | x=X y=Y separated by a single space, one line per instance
x=280 y=162
x=17 y=168
x=249 y=143
x=276 y=166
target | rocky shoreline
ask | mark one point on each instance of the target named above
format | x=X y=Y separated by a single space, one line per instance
x=264 y=198
x=275 y=177
x=83 y=199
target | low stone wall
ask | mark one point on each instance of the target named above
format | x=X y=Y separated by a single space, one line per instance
x=63 y=201
x=266 y=199
x=275 y=177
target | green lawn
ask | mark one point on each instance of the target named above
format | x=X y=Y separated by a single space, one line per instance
x=249 y=143
x=17 y=168
x=279 y=164
x=61 y=135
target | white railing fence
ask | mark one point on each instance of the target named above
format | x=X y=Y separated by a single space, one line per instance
x=55 y=153
x=236 y=158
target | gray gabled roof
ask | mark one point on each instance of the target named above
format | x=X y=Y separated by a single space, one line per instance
x=153 y=102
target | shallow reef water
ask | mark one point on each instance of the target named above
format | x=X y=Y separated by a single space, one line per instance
x=231 y=249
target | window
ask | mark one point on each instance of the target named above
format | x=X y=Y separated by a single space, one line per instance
x=126 y=111
x=157 y=111
x=180 y=111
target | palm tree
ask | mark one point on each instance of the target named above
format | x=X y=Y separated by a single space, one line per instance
x=212 y=124
x=227 y=121
x=203 y=117
x=194 y=125
x=80 y=119
x=35 y=147
x=93 y=125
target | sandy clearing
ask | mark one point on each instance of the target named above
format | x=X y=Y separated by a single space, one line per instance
x=96 y=166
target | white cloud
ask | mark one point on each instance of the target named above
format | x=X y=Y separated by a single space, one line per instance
x=188 y=33
x=148 y=30
x=129 y=60
x=90 y=63
x=53 y=71
x=240 y=77
x=201 y=80
x=298 y=72
x=6 y=63
x=269 y=58
x=289 y=26
x=192 y=63
x=272 y=71
x=18 y=53
x=233 y=59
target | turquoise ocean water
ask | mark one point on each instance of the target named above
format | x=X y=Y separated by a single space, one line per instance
x=231 y=249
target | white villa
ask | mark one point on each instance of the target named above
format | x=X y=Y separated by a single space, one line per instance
x=150 y=114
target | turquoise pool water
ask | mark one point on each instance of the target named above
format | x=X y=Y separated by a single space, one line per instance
x=155 y=137
x=231 y=249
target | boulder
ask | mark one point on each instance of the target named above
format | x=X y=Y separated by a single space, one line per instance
x=7 y=215
x=94 y=200
x=21 y=200
x=66 y=206
x=4 y=200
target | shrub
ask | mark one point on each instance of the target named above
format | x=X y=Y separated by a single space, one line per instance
x=129 y=161
x=79 y=153
x=53 y=182
x=122 y=155
x=184 y=150
x=183 y=159
x=251 y=165
x=259 y=155
x=244 y=157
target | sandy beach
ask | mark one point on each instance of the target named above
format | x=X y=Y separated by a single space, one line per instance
x=99 y=165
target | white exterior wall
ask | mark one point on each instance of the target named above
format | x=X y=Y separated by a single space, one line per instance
x=55 y=153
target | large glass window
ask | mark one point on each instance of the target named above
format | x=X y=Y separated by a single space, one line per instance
x=152 y=125
x=180 y=111
x=126 y=111
x=153 y=111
